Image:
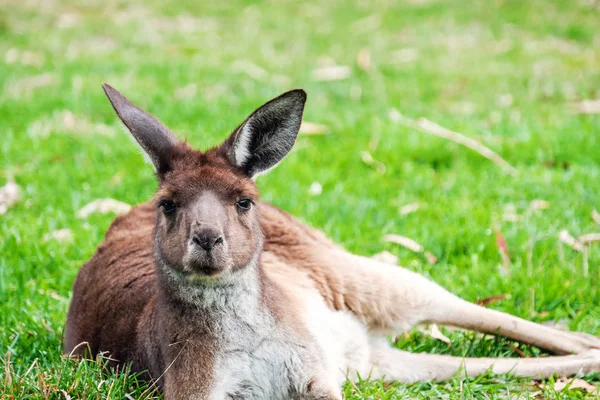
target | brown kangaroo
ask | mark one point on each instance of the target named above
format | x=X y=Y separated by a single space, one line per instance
x=218 y=295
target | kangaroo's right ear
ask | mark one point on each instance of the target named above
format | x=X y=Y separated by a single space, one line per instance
x=267 y=136
x=155 y=140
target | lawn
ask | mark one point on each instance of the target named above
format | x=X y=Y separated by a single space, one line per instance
x=508 y=74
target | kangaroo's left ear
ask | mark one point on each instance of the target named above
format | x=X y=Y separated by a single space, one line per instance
x=155 y=140
x=267 y=136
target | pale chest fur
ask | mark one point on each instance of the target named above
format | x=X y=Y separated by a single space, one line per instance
x=342 y=338
x=255 y=356
x=258 y=360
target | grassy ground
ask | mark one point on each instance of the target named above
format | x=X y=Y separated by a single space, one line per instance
x=501 y=72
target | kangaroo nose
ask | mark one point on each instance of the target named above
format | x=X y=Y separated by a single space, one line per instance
x=207 y=238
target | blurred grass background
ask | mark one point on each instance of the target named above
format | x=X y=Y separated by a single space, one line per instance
x=508 y=74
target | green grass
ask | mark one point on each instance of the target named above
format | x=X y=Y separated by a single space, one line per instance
x=501 y=72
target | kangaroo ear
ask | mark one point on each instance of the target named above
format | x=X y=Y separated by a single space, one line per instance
x=155 y=140
x=267 y=136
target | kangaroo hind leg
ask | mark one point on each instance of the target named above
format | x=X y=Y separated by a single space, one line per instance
x=392 y=299
x=470 y=316
x=392 y=364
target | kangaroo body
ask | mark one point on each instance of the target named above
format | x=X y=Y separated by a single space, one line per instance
x=250 y=303
x=117 y=308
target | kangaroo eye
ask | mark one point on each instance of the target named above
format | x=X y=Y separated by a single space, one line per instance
x=244 y=204
x=168 y=206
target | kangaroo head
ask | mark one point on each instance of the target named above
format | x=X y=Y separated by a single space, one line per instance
x=206 y=224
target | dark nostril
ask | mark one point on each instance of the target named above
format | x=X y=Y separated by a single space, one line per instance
x=218 y=240
x=203 y=242
x=196 y=240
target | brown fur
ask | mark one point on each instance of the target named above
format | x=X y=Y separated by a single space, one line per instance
x=117 y=299
x=132 y=298
x=140 y=298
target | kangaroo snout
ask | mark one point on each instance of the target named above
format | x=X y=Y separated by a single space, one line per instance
x=207 y=250
x=207 y=238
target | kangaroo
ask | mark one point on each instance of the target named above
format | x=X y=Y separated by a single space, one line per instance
x=214 y=294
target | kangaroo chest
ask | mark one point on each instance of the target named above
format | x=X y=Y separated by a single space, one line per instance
x=256 y=356
x=253 y=356
x=260 y=360
x=256 y=359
